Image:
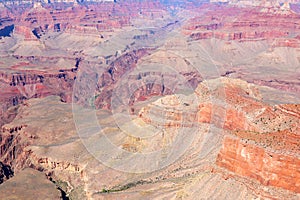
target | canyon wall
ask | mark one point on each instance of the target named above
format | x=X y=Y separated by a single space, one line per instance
x=5 y=172
x=261 y=141
x=35 y=84
x=44 y=52
x=245 y=26
x=258 y=163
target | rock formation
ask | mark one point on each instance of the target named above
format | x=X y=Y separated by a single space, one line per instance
x=24 y=186
x=249 y=139
x=266 y=138
x=35 y=84
x=255 y=162
x=243 y=26
x=5 y=172
x=211 y=91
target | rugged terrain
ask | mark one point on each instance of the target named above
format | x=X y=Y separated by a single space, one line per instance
x=149 y=100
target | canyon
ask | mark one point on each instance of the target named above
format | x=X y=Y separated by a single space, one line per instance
x=149 y=100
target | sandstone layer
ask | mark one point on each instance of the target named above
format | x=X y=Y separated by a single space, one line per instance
x=62 y=156
x=89 y=91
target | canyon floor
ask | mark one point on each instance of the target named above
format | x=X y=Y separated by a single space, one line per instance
x=149 y=100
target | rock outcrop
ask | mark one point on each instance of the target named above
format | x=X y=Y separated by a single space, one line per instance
x=129 y=62
x=210 y=136
x=244 y=24
x=5 y=172
x=44 y=149
x=266 y=143
x=35 y=84
x=90 y=18
x=29 y=184
x=26 y=32
x=253 y=161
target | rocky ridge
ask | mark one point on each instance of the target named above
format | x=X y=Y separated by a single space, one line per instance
x=240 y=124
x=38 y=130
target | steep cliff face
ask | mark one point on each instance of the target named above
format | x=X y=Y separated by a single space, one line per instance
x=255 y=162
x=5 y=172
x=48 y=47
x=56 y=149
x=33 y=84
x=244 y=24
x=26 y=32
x=13 y=145
x=266 y=143
x=123 y=64
x=270 y=152
x=90 y=18
x=25 y=142
x=28 y=48
x=128 y=62
x=239 y=100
